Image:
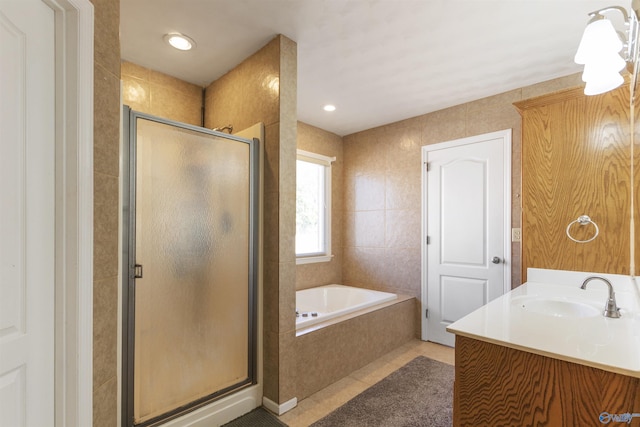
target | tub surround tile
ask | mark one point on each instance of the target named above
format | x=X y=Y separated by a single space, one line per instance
x=333 y=352
x=321 y=273
x=349 y=236
x=363 y=267
x=404 y=264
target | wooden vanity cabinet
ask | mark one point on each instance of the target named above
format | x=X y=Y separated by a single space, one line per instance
x=501 y=386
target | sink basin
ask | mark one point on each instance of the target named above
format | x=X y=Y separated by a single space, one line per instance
x=557 y=307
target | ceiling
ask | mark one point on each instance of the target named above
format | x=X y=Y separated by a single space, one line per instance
x=377 y=61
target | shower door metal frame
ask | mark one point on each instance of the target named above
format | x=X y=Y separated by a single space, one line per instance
x=129 y=159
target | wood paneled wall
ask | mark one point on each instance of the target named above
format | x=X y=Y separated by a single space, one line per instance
x=576 y=160
x=636 y=190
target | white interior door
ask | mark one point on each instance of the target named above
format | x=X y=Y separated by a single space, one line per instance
x=27 y=144
x=467 y=217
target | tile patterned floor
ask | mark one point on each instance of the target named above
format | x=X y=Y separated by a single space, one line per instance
x=326 y=400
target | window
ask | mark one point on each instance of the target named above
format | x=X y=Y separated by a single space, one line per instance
x=313 y=207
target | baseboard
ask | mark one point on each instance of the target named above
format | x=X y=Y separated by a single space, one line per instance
x=279 y=409
x=221 y=411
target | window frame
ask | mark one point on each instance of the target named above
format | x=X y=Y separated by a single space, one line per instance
x=326 y=161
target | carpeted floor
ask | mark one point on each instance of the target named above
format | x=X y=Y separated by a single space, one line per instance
x=420 y=394
x=258 y=417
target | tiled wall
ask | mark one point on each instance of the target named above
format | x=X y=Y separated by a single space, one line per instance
x=106 y=170
x=382 y=178
x=319 y=141
x=263 y=88
x=151 y=92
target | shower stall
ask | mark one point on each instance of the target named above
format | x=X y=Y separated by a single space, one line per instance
x=190 y=267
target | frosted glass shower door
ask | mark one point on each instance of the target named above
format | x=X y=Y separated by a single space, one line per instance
x=194 y=251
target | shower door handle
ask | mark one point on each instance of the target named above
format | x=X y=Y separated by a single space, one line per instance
x=137 y=271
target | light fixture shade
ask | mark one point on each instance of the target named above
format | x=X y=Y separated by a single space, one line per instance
x=607 y=65
x=599 y=38
x=604 y=84
x=179 y=41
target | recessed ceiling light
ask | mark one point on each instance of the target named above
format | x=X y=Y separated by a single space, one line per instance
x=329 y=107
x=179 y=41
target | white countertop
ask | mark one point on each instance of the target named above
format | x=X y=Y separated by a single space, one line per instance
x=604 y=343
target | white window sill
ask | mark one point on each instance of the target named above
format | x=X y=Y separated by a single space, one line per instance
x=313 y=259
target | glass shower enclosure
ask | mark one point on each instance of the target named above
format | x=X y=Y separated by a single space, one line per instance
x=190 y=267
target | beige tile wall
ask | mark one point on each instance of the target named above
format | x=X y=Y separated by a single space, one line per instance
x=106 y=140
x=316 y=140
x=152 y=92
x=263 y=88
x=382 y=179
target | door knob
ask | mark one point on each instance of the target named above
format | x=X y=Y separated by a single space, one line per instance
x=496 y=260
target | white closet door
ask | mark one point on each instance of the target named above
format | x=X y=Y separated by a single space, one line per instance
x=27 y=186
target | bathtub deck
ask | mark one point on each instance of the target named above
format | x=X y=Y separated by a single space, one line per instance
x=317 y=326
x=337 y=394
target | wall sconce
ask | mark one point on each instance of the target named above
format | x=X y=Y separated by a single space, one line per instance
x=604 y=52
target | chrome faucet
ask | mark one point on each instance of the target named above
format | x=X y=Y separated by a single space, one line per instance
x=611 y=308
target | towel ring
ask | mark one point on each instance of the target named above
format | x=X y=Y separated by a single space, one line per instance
x=583 y=220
